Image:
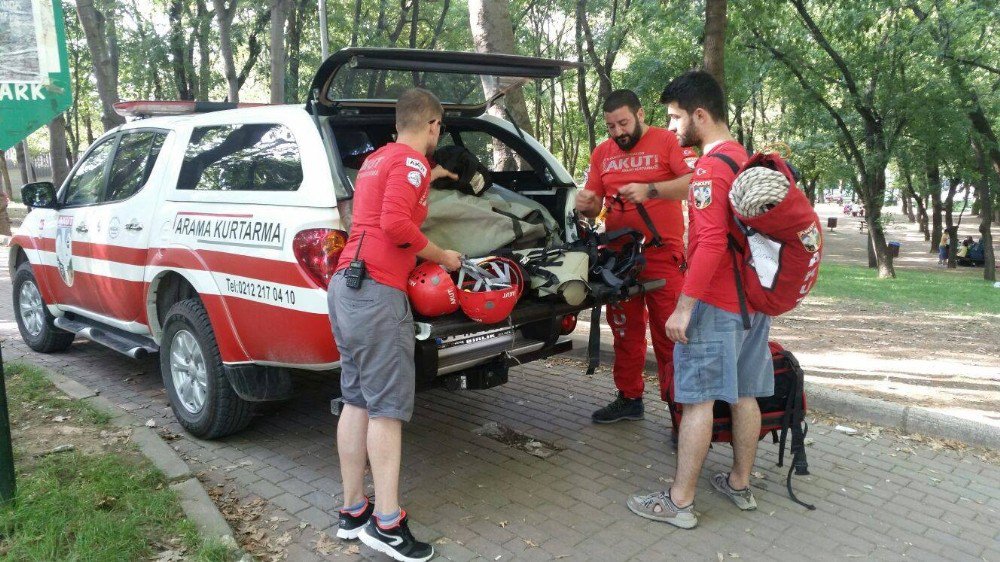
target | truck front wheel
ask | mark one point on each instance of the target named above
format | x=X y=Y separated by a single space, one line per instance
x=200 y=394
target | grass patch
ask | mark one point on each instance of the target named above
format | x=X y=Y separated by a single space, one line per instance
x=938 y=291
x=34 y=391
x=111 y=505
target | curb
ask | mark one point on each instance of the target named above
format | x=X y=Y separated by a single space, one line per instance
x=908 y=419
x=194 y=500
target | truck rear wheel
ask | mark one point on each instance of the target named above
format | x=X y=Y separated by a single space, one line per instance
x=34 y=320
x=200 y=394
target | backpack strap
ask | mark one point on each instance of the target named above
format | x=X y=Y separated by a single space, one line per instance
x=594 y=343
x=734 y=248
x=732 y=163
x=656 y=242
x=800 y=465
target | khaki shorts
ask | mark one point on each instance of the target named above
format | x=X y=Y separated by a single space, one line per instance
x=373 y=327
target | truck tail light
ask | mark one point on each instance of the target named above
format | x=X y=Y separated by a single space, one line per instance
x=567 y=324
x=317 y=251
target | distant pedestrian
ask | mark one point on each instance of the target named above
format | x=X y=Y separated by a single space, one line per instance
x=943 y=249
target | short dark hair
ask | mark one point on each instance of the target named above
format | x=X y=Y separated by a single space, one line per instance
x=695 y=89
x=622 y=98
x=415 y=108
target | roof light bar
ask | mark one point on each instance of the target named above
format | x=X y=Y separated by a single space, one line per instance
x=151 y=108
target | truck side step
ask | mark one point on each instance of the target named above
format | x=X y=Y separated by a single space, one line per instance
x=133 y=345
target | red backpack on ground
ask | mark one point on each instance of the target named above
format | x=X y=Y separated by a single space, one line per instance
x=777 y=259
x=780 y=414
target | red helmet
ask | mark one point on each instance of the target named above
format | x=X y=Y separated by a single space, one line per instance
x=432 y=291
x=490 y=287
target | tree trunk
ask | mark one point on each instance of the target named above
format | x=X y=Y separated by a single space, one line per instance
x=104 y=72
x=204 y=51
x=279 y=15
x=984 y=195
x=811 y=190
x=178 y=56
x=934 y=188
x=714 y=52
x=949 y=225
x=254 y=47
x=581 y=82
x=224 y=15
x=294 y=48
x=57 y=150
x=22 y=161
x=493 y=32
x=7 y=185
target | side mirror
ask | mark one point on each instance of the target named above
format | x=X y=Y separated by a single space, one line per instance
x=39 y=195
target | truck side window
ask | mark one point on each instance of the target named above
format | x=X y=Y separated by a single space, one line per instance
x=84 y=188
x=133 y=162
x=250 y=157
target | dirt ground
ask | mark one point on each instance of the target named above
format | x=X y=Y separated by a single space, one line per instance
x=946 y=362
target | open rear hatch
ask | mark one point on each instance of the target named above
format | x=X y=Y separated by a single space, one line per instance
x=357 y=80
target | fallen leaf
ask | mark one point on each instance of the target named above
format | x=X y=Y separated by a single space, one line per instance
x=60 y=419
x=353 y=549
x=503 y=524
x=325 y=545
x=150 y=423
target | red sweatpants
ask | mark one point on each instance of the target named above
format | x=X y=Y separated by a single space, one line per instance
x=628 y=321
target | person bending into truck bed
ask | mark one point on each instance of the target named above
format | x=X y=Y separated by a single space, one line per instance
x=373 y=324
x=646 y=165
x=715 y=357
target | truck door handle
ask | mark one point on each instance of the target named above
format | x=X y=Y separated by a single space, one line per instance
x=82 y=228
x=133 y=226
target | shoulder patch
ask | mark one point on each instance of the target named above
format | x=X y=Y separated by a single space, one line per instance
x=701 y=172
x=701 y=192
x=690 y=160
x=416 y=165
x=811 y=238
x=415 y=178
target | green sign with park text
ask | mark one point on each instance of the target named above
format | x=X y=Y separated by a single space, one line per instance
x=34 y=68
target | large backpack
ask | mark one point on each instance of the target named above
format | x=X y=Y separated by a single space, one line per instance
x=780 y=414
x=776 y=260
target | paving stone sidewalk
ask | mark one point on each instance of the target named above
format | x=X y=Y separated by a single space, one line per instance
x=876 y=497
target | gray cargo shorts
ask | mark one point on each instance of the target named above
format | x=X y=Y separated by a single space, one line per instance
x=373 y=326
x=721 y=360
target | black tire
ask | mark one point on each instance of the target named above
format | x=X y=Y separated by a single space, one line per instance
x=223 y=412
x=49 y=339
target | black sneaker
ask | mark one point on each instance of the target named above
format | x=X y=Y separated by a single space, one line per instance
x=619 y=409
x=350 y=526
x=397 y=542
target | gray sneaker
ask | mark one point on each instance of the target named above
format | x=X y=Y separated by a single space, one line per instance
x=742 y=498
x=659 y=507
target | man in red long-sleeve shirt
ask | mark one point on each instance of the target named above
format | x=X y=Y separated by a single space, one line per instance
x=646 y=165
x=373 y=324
x=715 y=358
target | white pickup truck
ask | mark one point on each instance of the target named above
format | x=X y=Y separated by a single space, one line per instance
x=208 y=233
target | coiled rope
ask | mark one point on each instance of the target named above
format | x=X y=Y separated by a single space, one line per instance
x=758 y=190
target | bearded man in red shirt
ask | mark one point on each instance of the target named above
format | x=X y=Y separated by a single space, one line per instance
x=640 y=164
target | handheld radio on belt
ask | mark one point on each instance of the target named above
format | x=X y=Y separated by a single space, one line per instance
x=355 y=273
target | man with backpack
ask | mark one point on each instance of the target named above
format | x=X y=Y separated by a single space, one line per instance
x=641 y=174
x=715 y=358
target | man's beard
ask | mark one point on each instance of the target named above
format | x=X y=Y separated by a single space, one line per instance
x=627 y=142
x=689 y=138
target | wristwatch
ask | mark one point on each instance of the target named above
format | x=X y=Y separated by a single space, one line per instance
x=651 y=192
